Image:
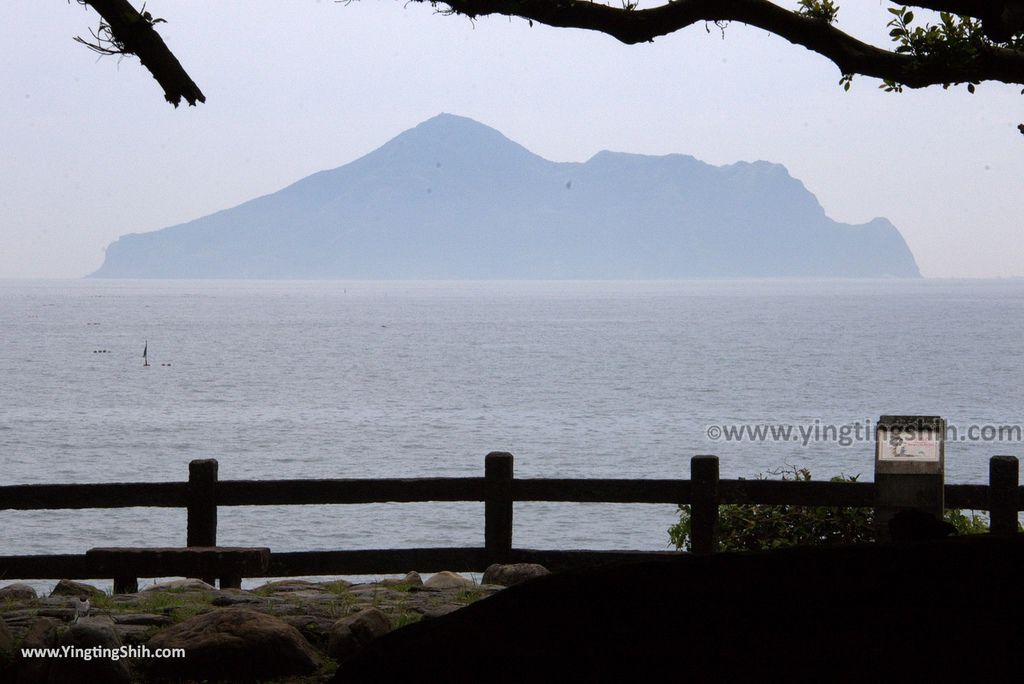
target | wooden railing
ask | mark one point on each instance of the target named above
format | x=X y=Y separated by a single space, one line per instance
x=498 y=489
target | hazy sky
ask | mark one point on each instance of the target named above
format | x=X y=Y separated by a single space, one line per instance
x=91 y=151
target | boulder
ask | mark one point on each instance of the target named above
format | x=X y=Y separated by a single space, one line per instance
x=88 y=634
x=287 y=586
x=237 y=644
x=68 y=587
x=238 y=600
x=314 y=628
x=6 y=648
x=411 y=579
x=188 y=584
x=435 y=612
x=449 y=580
x=41 y=633
x=352 y=633
x=141 y=619
x=17 y=592
x=511 y=574
x=302 y=589
x=862 y=613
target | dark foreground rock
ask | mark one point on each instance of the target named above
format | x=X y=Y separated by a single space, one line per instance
x=320 y=611
x=233 y=644
x=88 y=634
x=902 y=611
x=350 y=634
x=76 y=589
x=6 y=650
x=42 y=633
x=510 y=574
x=17 y=592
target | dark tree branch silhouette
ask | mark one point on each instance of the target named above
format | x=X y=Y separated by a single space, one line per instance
x=973 y=40
x=124 y=30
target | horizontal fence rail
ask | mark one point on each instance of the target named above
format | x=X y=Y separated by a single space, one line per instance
x=304 y=492
x=704 y=492
x=114 y=495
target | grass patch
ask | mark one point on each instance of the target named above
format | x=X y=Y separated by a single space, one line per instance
x=405 y=617
x=470 y=595
x=404 y=587
x=107 y=602
x=175 y=605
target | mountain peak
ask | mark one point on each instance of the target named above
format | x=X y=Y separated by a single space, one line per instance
x=451 y=127
x=454 y=142
x=453 y=198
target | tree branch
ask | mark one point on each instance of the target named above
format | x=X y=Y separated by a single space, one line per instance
x=849 y=54
x=133 y=33
x=1001 y=19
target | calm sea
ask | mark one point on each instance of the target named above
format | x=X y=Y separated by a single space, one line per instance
x=409 y=379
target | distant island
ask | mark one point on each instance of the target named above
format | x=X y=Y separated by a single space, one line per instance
x=455 y=199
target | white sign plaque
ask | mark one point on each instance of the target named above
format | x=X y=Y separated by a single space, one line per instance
x=908 y=445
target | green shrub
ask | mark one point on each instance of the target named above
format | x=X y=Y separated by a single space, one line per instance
x=759 y=527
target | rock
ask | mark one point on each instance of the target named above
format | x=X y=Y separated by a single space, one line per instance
x=513 y=573
x=137 y=628
x=90 y=633
x=42 y=633
x=732 y=614
x=20 y=618
x=68 y=587
x=350 y=634
x=439 y=611
x=287 y=586
x=449 y=580
x=315 y=629
x=133 y=635
x=64 y=614
x=189 y=584
x=301 y=589
x=237 y=644
x=18 y=592
x=142 y=619
x=411 y=579
x=238 y=600
x=6 y=647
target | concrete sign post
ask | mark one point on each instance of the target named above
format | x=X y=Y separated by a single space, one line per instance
x=910 y=456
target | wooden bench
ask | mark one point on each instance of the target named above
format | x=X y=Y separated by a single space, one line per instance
x=229 y=563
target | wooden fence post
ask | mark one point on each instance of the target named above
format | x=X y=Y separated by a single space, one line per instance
x=704 y=504
x=1003 y=474
x=202 y=503
x=498 y=506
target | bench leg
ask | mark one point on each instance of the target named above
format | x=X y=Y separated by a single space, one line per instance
x=126 y=585
x=231 y=582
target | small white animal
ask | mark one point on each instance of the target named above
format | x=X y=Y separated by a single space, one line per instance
x=81 y=606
